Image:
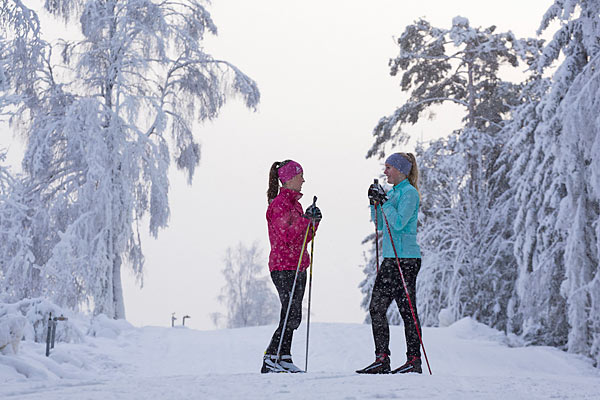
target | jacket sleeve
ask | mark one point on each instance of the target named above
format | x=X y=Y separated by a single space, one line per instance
x=399 y=215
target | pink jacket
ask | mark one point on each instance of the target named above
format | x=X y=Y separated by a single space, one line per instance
x=287 y=227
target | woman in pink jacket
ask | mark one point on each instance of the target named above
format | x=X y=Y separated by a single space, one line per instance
x=287 y=227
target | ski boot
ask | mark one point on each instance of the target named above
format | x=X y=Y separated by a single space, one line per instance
x=270 y=364
x=287 y=364
x=413 y=364
x=380 y=366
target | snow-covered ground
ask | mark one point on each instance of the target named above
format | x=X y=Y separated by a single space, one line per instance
x=469 y=361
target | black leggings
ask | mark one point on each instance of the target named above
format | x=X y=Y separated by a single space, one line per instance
x=284 y=280
x=388 y=287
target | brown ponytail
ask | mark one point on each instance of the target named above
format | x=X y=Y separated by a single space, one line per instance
x=413 y=176
x=273 y=189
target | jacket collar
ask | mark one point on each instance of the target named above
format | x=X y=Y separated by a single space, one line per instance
x=401 y=184
x=290 y=194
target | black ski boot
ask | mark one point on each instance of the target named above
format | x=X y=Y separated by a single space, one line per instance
x=413 y=364
x=380 y=366
x=270 y=364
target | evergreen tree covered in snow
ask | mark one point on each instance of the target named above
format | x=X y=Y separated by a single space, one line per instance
x=557 y=229
x=468 y=263
x=104 y=119
x=537 y=308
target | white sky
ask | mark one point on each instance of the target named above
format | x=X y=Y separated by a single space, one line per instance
x=322 y=70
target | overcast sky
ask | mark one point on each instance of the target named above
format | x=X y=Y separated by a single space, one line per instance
x=321 y=66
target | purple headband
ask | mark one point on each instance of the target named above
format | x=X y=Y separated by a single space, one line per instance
x=399 y=162
x=288 y=171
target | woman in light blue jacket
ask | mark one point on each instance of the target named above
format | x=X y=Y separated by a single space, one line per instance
x=400 y=206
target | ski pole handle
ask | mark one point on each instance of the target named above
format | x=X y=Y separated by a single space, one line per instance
x=377 y=194
x=312 y=212
x=372 y=197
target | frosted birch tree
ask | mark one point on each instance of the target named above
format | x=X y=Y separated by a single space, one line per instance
x=246 y=294
x=110 y=112
x=21 y=56
x=15 y=248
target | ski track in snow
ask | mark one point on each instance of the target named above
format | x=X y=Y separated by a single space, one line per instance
x=469 y=361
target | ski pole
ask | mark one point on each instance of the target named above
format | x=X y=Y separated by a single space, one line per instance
x=312 y=248
x=376 y=182
x=287 y=314
x=406 y=291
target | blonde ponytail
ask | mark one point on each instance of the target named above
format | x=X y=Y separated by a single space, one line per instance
x=413 y=176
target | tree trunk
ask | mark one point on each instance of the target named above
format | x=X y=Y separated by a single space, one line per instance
x=118 y=302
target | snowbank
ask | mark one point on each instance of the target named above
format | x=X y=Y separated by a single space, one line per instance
x=36 y=313
x=75 y=357
x=118 y=361
x=26 y=322
x=102 y=326
x=11 y=331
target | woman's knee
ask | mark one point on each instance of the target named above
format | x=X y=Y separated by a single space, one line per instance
x=294 y=321
x=375 y=311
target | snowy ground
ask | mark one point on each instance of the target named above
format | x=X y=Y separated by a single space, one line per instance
x=469 y=361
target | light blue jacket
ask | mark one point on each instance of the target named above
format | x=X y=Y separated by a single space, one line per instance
x=401 y=210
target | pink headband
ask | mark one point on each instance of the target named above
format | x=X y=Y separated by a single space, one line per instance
x=288 y=171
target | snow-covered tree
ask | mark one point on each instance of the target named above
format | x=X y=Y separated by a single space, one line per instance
x=103 y=119
x=469 y=261
x=536 y=308
x=23 y=74
x=459 y=65
x=246 y=294
x=439 y=174
x=16 y=266
x=557 y=239
x=21 y=55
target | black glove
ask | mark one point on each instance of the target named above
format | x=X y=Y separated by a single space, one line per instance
x=313 y=212
x=376 y=194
